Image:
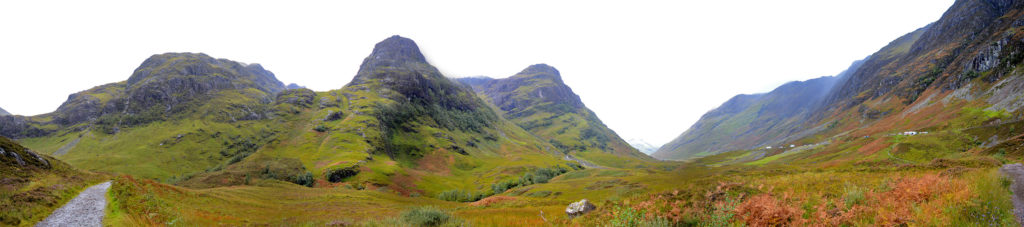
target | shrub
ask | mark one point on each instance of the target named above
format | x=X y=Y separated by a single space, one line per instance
x=320 y=128
x=337 y=175
x=305 y=180
x=853 y=195
x=765 y=210
x=425 y=216
x=461 y=196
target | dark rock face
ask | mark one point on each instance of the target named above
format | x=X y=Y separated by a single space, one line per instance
x=159 y=87
x=167 y=80
x=19 y=127
x=337 y=175
x=502 y=92
x=13 y=154
x=975 y=41
x=962 y=30
x=397 y=49
x=86 y=105
x=397 y=65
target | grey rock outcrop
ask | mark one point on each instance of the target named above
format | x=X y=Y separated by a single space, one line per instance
x=579 y=208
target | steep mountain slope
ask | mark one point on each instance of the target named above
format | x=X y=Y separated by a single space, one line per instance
x=399 y=125
x=537 y=100
x=747 y=121
x=178 y=113
x=34 y=184
x=965 y=61
x=3 y=112
x=196 y=121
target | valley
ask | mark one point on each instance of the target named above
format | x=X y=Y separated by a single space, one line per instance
x=927 y=131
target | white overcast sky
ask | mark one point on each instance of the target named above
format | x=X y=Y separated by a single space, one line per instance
x=649 y=69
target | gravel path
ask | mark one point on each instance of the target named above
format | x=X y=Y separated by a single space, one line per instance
x=1016 y=173
x=86 y=209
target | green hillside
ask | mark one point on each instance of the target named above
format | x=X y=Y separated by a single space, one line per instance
x=537 y=100
x=35 y=184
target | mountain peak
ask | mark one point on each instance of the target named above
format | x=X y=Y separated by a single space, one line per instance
x=540 y=68
x=397 y=48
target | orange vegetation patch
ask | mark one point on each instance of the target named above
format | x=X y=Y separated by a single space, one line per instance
x=437 y=162
x=492 y=200
x=405 y=184
x=874 y=146
x=898 y=206
x=765 y=210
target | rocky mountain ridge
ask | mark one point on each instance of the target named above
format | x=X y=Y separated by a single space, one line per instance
x=539 y=101
x=969 y=54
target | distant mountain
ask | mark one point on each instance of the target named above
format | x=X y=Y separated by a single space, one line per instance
x=643 y=146
x=924 y=79
x=748 y=121
x=293 y=86
x=538 y=100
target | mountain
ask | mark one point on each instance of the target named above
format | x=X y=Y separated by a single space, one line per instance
x=4 y=112
x=748 y=121
x=923 y=80
x=643 y=146
x=200 y=122
x=399 y=125
x=177 y=113
x=35 y=184
x=538 y=100
x=293 y=86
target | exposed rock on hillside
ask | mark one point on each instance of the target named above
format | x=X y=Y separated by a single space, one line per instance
x=163 y=85
x=970 y=56
x=539 y=101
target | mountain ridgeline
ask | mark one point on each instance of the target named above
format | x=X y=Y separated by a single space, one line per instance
x=755 y=120
x=538 y=100
x=966 y=59
x=400 y=125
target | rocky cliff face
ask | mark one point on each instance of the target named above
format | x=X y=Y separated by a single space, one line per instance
x=418 y=94
x=971 y=53
x=167 y=80
x=538 y=100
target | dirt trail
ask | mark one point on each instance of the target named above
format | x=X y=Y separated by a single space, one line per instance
x=583 y=163
x=1016 y=173
x=86 y=209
